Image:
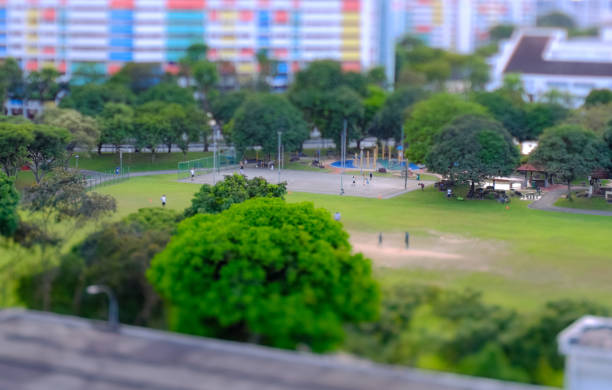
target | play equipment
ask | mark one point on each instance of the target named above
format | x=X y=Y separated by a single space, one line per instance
x=205 y=165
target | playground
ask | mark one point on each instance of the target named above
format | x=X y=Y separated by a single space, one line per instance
x=323 y=183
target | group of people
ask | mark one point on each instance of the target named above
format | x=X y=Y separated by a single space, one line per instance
x=365 y=179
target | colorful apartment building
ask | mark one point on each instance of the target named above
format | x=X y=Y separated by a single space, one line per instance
x=458 y=25
x=105 y=34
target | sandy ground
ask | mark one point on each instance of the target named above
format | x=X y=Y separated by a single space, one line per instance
x=326 y=183
x=432 y=250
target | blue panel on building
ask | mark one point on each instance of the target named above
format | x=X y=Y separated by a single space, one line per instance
x=184 y=15
x=121 y=56
x=263 y=19
x=123 y=15
x=121 y=42
x=185 y=29
x=2 y=50
x=282 y=68
x=121 y=29
x=2 y=13
x=263 y=41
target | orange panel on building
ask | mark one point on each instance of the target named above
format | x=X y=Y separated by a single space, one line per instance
x=351 y=66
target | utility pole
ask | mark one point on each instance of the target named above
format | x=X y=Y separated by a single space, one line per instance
x=121 y=161
x=280 y=134
x=405 y=162
x=343 y=155
x=214 y=154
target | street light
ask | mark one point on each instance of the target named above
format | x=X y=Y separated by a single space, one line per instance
x=113 y=307
x=280 y=134
x=76 y=157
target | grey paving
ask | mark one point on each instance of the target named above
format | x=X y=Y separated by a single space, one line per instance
x=326 y=183
x=548 y=199
x=40 y=351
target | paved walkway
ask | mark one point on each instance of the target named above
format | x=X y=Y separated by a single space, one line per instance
x=549 y=198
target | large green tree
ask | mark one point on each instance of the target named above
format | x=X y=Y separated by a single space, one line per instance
x=595 y=118
x=473 y=148
x=117 y=255
x=556 y=19
x=570 y=152
x=224 y=106
x=598 y=96
x=541 y=116
x=510 y=112
x=428 y=117
x=42 y=85
x=90 y=99
x=9 y=200
x=233 y=189
x=14 y=141
x=258 y=120
x=168 y=92
x=11 y=80
x=84 y=130
x=47 y=148
x=388 y=121
x=265 y=271
x=116 y=124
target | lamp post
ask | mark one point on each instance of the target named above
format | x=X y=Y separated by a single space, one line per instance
x=343 y=155
x=76 y=158
x=280 y=134
x=113 y=307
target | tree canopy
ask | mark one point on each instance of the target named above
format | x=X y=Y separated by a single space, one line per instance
x=556 y=19
x=84 y=130
x=388 y=121
x=14 y=141
x=570 y=152
x=233 y=189
x=598 y=96
x=265 y=271
x=9 y=200
x=473 y=148
x=258 y=120
x=429 y=116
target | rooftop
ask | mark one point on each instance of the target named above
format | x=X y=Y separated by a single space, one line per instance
x=528 y=57
x=50 y=351
x=588 y=334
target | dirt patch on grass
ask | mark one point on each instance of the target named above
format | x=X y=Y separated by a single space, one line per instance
x=430 y=250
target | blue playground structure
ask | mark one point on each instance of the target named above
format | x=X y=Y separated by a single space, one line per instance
x=391 y=165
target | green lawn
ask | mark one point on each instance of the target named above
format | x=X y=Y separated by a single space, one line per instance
x=137 y=162
x=533 y=256
x=596 y=203
x=518 y=257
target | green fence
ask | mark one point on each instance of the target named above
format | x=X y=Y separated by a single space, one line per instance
x=205 y=165
x=107 y=178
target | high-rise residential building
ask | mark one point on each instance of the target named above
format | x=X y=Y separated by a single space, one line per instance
x=458 y=25
x=105 y=34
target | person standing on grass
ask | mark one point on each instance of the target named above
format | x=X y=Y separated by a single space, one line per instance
x=370 y=177
x=192 y=171
x=449 y=193
x=337 y=216
x=163 y=199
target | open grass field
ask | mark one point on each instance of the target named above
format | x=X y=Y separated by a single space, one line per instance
x=137 y=162
x=584 y=203
x=518 y=257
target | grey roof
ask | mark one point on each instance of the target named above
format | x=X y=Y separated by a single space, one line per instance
x=589 y=333
x=49 y=351
x=528 y=58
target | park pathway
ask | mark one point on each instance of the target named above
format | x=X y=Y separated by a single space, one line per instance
x=549 y=198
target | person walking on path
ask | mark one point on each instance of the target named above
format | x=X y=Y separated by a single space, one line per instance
x=241 y=170
x=370 y=177
x=353 y=180
x=337 y=216
x=163 y=200
x=192 y=171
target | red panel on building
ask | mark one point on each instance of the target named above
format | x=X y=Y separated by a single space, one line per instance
x=281 y=53
x=263 y=3
x=247 y=52
x=295 y=67
x=213 y=15
x=351 y=66
x=113 y=68
x=48 y=14
x=122 y=4
x=212 y=54
x=32 y=65
x=296 y=4
x=172 y=68
x=62 y=67
x=185 y=4
x=350 y=5
x=48 y=50
x=246 y=16
x=281 y=17
x=423 y=29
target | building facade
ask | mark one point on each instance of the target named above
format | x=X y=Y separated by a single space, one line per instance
x=458 y=25
x=547 y=60
x=102 y=35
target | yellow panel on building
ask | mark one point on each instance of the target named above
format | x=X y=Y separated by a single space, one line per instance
x=350 y=42
x=246 y=67
x=227 y=54
x=228 y=15
x=438 y=15
x=350 y=16
x=352 y=55
x=32 y=50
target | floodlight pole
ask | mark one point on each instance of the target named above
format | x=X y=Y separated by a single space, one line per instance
x=343 y=155
x=280 y=134
x=214 y=154
x=405 y=163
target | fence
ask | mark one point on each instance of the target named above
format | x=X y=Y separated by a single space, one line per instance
x=107 y=178
x=204 y=165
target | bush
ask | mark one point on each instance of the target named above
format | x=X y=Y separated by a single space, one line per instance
x=268 y=272
x=9 y=199
x=233 y=189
